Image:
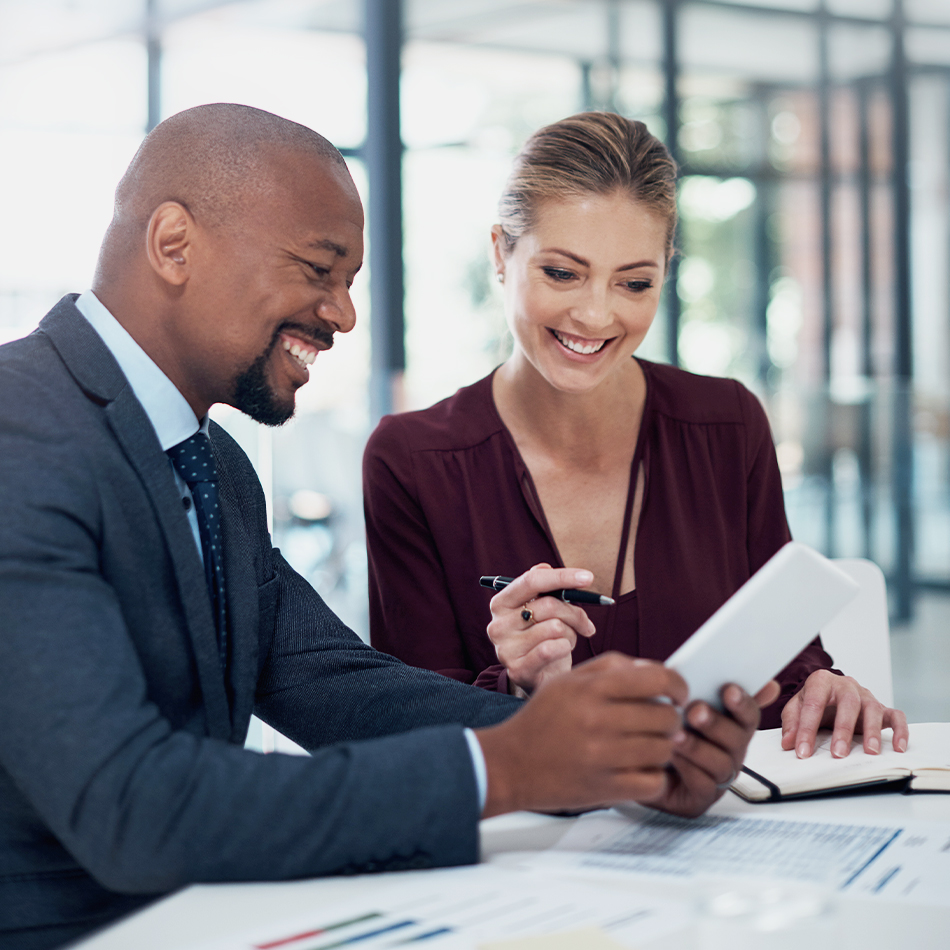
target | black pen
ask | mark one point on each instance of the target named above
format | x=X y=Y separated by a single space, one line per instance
x=568 y=596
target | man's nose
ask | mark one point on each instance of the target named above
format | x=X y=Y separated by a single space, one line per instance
x=337 y=310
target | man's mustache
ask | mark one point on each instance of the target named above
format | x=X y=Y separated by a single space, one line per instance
x=319 y=335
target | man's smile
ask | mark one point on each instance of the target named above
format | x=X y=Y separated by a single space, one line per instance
x=305 y=353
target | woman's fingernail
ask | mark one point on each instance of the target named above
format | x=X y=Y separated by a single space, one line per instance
x=803 y=750
x=874 y=745
x=679 y=738
x=841 y=749
x=583 y=577
x=901 y=745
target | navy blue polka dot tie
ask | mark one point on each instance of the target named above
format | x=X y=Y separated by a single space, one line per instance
x=194 y=462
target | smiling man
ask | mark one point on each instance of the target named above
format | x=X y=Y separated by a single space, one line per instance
x=146 y=615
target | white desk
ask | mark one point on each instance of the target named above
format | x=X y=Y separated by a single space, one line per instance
x=203 y=912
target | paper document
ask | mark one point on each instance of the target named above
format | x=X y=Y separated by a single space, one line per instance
x=905 y=861
x=464 y=908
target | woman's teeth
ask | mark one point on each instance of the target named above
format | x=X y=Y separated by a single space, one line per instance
x=303 y=356
x=575 y=347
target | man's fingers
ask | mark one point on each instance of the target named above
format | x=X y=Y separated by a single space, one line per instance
x=717 y=762
x=742 y=707
x=624 y=678
x=645 y=718
x=898 y=722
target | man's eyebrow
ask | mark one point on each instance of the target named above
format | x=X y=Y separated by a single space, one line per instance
x=325 y=245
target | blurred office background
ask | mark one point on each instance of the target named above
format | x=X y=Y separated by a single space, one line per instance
x=814 y=141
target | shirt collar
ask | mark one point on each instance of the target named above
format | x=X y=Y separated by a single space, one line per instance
x=167 y=409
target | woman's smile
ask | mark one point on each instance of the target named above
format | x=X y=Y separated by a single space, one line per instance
x=578 y=346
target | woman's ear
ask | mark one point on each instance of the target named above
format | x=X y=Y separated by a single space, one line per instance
x=169 y=242
x=499 y=241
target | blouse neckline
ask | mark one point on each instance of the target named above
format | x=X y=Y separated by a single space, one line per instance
x=533 y=500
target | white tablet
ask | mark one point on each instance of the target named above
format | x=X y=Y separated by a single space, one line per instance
x=764 y=625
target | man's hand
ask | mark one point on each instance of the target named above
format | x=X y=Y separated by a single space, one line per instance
x=535 y=650
x=596 y=735
x=707 y=756
x=839 y=702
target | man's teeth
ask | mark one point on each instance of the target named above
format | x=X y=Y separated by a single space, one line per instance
x=575 y=347
x=305 y=356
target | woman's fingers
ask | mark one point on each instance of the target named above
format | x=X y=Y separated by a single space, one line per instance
x=534 y=635
x=841 y=702
x=813 y=699
x=848 y=702
x=898 y=722
x=539 y=580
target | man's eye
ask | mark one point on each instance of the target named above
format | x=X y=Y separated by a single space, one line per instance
x=558 y=273
x=319 y=270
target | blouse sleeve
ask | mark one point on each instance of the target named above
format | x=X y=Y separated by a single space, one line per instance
x=767 y=532
x=410 y=610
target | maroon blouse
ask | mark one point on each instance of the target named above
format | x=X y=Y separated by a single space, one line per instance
x=448 y=498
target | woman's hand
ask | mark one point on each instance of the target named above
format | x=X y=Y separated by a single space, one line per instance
x=538 y=648
x=708 y=754
x=839 y=702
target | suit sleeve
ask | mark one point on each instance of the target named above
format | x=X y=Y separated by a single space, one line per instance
x=767 y=531
x=411 y=611
x=146 y=807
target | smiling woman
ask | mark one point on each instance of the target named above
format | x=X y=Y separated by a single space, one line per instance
x=651 y=485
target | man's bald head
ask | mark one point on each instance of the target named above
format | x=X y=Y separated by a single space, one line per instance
x=213 y=160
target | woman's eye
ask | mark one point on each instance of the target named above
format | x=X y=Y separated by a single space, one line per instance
x=558 y=273
x=638 y=286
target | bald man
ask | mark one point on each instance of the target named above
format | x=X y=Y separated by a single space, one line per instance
x=145 y=614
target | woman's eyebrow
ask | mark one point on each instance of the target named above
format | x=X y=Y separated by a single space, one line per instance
x=585 y=263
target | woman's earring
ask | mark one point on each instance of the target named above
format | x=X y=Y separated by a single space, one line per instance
x=500 y=277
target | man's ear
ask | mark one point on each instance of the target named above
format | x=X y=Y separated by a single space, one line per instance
x=171 y=231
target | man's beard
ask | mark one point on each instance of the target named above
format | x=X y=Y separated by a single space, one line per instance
x=254 y=396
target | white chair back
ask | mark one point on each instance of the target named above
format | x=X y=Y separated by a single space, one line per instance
x=858 y=639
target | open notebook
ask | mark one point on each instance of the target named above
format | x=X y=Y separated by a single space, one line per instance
x=772 y=774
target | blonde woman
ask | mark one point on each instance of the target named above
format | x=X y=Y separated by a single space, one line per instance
x=636 y=480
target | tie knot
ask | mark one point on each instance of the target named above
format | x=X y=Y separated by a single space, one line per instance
x=194 y=460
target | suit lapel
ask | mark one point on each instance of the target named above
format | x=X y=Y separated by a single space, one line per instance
x=98 y=374
x=241 y=594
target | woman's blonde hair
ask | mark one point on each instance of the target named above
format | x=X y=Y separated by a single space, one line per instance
x=589 y=153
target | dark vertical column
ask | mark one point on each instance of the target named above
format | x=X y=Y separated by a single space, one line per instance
x=827 y=281
x=153 y=51
x=383 y=155
x=903 y=339
x=866 y=430
x=671 y=108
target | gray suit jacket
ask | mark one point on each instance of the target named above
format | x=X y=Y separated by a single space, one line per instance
x=122 y=772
